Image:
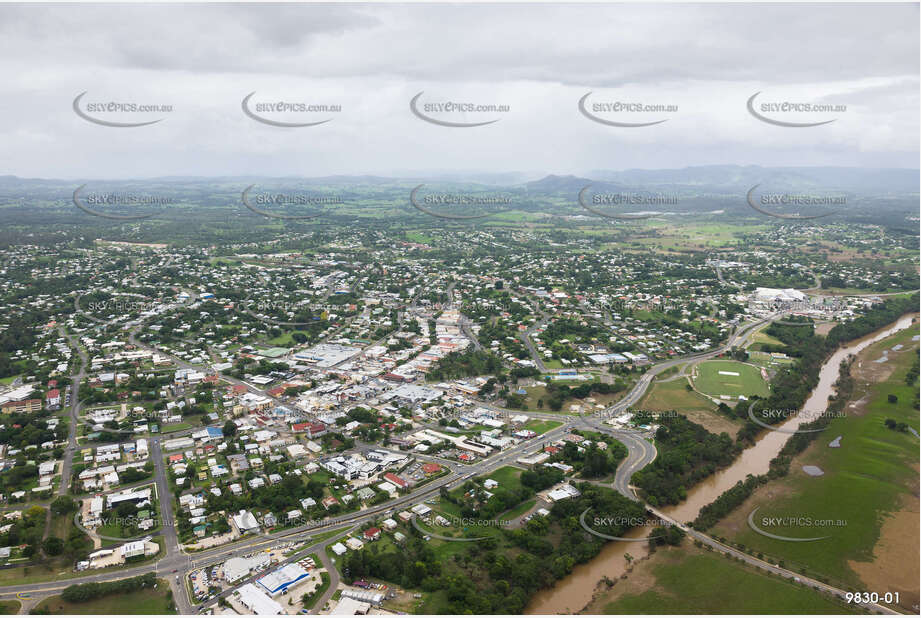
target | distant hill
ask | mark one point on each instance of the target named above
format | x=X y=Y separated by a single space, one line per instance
x=735 y=178
x=569 y=185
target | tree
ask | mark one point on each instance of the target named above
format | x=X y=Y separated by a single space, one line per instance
x=63 y=505
x=892 y=398
x=229 y=429
x=53 y=546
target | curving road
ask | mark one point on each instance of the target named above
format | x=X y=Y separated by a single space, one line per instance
x=641 y=452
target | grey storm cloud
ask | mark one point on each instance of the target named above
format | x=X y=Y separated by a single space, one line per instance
x=606 y=45
x=372 y=58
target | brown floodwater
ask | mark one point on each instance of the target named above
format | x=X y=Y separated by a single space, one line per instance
x=575 y=591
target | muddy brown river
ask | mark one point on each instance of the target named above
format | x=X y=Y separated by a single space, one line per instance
x=575 y=591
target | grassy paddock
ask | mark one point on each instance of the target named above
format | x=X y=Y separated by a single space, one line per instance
x=9 y=607
x=139 y=602
x=540 y=426
x=692 y=581
x=665 y=396
x=865 y=480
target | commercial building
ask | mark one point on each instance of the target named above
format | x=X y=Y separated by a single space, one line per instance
x=26 y=406
x=279 y=580
x=136 y=496
x=245 y=522
x=237 y=568
x=563 y=492
x=257 y=601
x=351 y=607
x=365 y=596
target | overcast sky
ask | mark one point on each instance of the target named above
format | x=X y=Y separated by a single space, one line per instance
x=539 y=60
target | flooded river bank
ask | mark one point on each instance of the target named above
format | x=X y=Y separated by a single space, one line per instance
x=576 y=590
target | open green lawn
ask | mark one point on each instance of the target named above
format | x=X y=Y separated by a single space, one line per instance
x=140 y=602
x=507 y=477
x=540 y=426
x=518 y=511
x=535 y=394
x=284 y=340
x=9 y=607
x=665 y=396
x=760 y=336
x=114 y=530
x=865 y=479
x=61 y=525
x=748 y=382
x=690 y=581
x=419 y=237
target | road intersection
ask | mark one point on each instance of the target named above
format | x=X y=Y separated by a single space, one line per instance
x=640 y=453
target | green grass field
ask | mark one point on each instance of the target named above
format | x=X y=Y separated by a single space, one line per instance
x=140 y=602
x=664 y=396
x=284 y=340
x=507 y=477
x=518 y=511
x=748 y=382
x=419 y=237
x=760 y=336
x=9 y=607
x=690 y=581
x=540 y=426
x=113 y=530
x=864 y=479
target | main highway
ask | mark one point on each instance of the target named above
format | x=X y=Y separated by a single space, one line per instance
x=640 y=453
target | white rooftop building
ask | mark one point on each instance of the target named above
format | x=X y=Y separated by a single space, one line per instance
x=258 y=601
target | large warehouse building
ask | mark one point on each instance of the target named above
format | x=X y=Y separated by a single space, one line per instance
x=279 y=580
